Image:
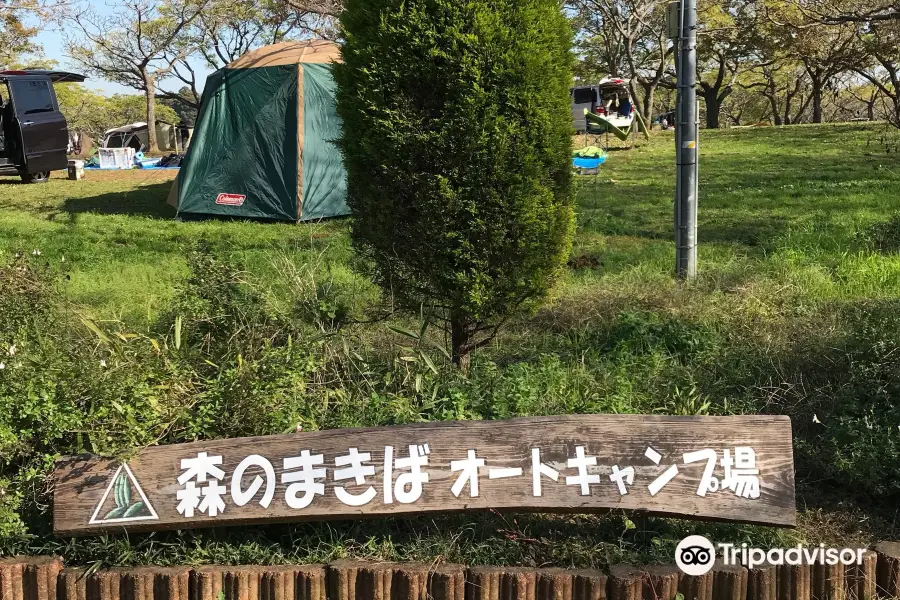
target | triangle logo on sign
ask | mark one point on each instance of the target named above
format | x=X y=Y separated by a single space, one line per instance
x=123 y=501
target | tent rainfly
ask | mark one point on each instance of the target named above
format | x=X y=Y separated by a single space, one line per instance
x=263 y=146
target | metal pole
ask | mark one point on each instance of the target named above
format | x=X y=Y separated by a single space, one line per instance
x=686 y=137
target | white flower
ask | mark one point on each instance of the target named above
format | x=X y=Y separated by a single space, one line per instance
x=12 y=350
x=2 y=366
x=102 y=363
x=299 y=427
x=36 y=253
x=63 y=259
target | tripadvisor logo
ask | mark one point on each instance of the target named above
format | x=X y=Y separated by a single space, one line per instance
x=696 y=555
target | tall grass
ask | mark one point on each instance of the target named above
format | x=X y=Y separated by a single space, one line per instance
x=263 y=328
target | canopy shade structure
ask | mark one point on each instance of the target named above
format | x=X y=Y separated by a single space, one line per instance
x=264 y=143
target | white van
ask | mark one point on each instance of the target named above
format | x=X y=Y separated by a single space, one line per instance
x=610 y=99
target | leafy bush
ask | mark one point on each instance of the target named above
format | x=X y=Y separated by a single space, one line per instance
x=466 y=104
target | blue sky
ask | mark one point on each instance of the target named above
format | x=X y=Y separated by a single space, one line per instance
x=53 y=41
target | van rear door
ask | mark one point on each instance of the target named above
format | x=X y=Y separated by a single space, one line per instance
x=44 y=135
x=582 y=98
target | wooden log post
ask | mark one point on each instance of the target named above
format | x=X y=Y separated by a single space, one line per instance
x=888 y=570
x=39 y=577
x=353 y=580
x=483 y=583
x=588 y=584
x=729 y=582
x=410 y=582
x=794 y=582
x=661 y=582
x=696 y=587
x=517 y=583
x=70 y=585
x=501 y=583
x=11 y=578
x=292 y=582
x=762 y=582
x=447 y=582
x=828 y=582
x=626 y=582
x=77 y=584
x=861 y=579
x=206 y=583
x=553 y=584
x=29 y=578
x=152 y=583
x=240 y=583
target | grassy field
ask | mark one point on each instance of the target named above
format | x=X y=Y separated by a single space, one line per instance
x=778 y=207
x=796 y=310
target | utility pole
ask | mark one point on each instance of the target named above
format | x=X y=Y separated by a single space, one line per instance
x=682 y=18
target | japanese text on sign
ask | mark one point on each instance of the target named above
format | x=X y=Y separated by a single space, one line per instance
x=404 y=477
x=732 y=468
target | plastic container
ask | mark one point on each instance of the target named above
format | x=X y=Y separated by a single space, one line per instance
x=116 y=158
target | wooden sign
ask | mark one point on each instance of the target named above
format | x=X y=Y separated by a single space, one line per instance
x=723 y=468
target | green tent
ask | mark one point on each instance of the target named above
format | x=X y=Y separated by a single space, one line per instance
x=263 y=146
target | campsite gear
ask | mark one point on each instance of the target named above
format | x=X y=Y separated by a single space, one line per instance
x=263 y=143
x=171 y=161
x=35 y=135
x=610 y=99
x=76 y=169
x=160 y=163
x=588 y=166
x=137 y=135
x=587 y=160
x=590 y=152
x=601 y=124
x=116 y=158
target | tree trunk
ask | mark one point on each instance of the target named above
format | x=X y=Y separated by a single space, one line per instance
x=713 y=107
x=817 y=101
x=460 y=340
x=648 y=105
x=776 y=116
x=150 y=87
x=870 y=108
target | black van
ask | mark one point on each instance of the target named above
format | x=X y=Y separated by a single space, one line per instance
x=34 y=136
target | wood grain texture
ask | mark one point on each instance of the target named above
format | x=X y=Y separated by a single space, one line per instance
x=861 y=579
x=621 y=440
x=762 y=582
x=661 y=582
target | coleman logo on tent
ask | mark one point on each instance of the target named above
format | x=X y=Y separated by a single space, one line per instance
x=231 y=199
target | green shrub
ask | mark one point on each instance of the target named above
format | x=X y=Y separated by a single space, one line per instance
x=457 y=143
